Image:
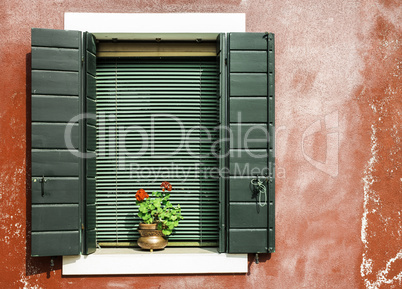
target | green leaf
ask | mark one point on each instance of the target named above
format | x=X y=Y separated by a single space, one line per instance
x=143 y=209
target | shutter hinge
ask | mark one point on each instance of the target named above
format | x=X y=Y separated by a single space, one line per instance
x=82 y=227
x=226 y=61
x=82 y=60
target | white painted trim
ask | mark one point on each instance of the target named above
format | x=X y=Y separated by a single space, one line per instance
x=155 y=22
x=116 y=261
x=171 y=260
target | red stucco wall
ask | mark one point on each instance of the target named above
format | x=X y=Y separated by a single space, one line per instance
x=338 y=116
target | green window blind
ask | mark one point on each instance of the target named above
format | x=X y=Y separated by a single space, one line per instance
x=155 y=122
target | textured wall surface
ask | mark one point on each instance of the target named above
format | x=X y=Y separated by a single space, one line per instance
x=339 y=158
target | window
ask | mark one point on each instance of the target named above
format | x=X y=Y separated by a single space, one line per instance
x=158 y=120
x=64 y=183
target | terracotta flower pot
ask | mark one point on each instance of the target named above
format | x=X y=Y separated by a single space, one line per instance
x=151 y=238
x=144 y=226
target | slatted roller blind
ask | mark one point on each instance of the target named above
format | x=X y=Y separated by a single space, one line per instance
x=156 y=120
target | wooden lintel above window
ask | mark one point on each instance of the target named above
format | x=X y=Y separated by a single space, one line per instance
x=155 y=49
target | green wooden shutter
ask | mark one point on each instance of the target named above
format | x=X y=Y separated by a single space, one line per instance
x=251 y=117
x=56 y=188
x=223 y=143
x=90 y=142
x=130 y=92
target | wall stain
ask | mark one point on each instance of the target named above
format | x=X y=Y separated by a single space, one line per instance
x=303 y=80
x=382 y=261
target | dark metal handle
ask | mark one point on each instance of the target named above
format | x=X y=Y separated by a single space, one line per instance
x=259 y=189
x=42 y=185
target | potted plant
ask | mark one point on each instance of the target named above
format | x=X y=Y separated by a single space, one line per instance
x=159 y=217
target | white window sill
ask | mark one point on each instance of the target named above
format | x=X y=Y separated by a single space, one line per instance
x=115 y=261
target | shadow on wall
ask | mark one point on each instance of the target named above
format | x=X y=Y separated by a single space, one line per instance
x=252 y=258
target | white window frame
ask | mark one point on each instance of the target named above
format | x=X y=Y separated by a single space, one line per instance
x=115 y=261
x=123 y=261
x=109 y=23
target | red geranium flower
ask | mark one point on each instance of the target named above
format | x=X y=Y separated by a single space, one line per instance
x=167 y=186
x=141 y=195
